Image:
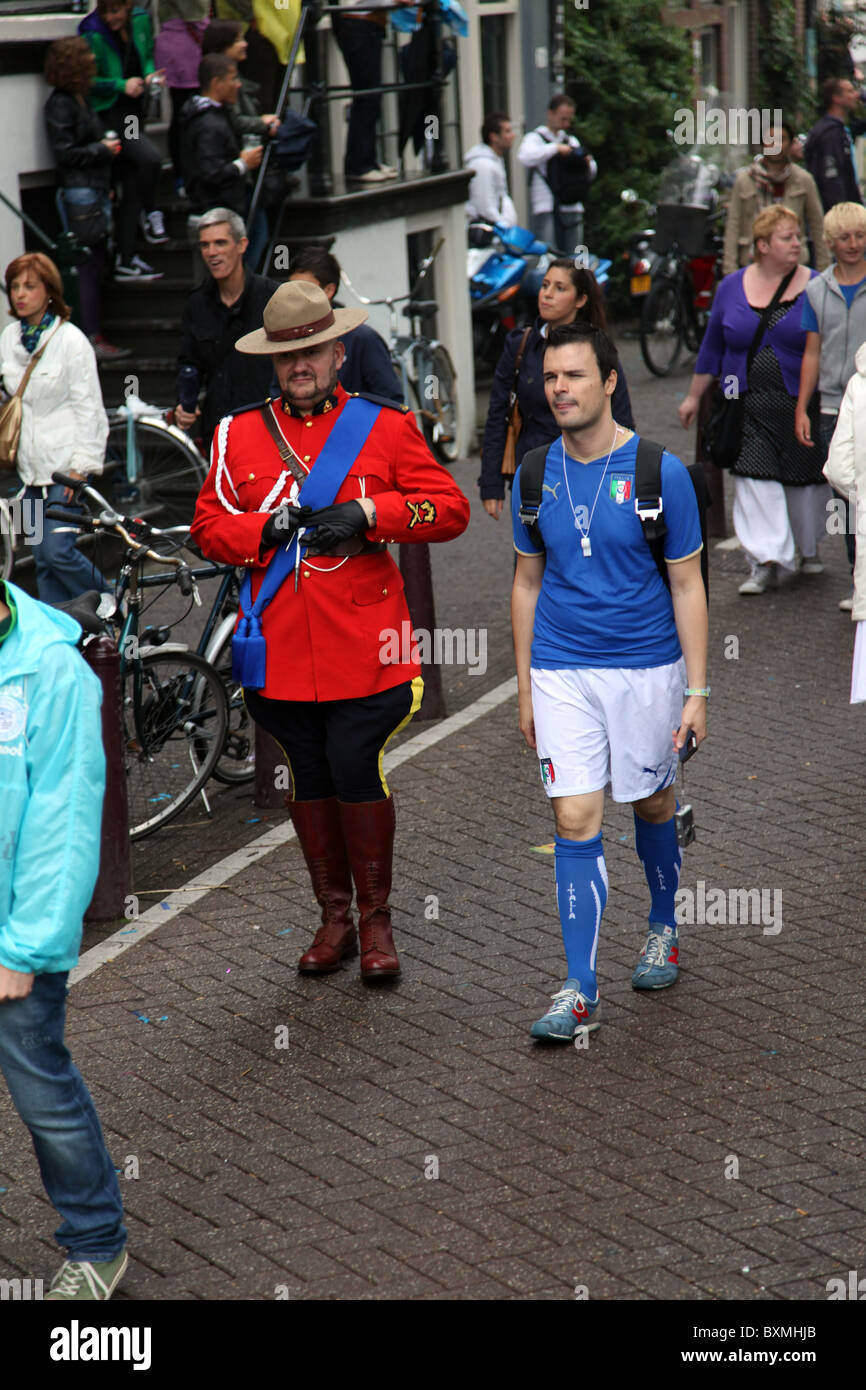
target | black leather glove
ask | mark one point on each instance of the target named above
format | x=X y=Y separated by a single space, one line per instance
x=335 y=524
x=282 y=524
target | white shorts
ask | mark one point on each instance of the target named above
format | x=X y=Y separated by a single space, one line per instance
x=597 y=725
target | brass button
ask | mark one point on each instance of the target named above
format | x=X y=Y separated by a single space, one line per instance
x=252 y=477
x=309 y=424
x=306 y=458
x=306 y=574
x=384 y=591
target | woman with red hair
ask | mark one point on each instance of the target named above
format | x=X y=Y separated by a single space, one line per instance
x=63 y=422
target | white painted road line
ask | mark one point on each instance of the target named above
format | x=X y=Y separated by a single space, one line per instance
x=182 y=898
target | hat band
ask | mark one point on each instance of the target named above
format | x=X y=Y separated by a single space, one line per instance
x=306 y=330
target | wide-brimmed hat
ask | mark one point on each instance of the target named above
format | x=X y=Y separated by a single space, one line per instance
x=299 y=315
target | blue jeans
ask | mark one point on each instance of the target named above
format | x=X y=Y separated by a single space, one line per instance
x=62 y=572
x=50 y=1096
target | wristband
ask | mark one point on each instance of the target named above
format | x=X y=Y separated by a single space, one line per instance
x=695 y=690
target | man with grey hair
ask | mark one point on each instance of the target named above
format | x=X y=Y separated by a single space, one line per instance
x=229 y=303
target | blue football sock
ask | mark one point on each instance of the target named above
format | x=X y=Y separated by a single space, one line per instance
x=581 y=894
x=661 y=856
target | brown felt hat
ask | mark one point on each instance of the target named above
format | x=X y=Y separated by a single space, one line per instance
x=299 y=315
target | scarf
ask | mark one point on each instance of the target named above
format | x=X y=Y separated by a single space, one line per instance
x=31 y=333
x=767 y=183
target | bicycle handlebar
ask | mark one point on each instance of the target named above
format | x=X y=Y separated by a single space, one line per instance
x=60 y=514
x=390 y=300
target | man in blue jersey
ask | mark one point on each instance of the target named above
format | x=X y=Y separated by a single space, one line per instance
x=611 y=666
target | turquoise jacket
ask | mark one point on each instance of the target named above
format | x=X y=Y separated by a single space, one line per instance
x=52 y=781
x=109 y=83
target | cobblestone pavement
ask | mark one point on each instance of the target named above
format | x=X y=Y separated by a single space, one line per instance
x=708 y=1144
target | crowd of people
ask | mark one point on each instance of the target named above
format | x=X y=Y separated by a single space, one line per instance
x=317 y=467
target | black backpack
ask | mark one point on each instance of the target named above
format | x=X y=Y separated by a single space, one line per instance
x=648 y=501
x=567 y=177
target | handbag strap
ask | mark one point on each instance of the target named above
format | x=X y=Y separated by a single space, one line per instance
x=28 y=371
x=518 y=363
x=765 y=317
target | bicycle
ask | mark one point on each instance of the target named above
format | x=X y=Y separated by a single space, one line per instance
x=154 y=467
x=423 y=365
x=174 y=707
x=677 y=307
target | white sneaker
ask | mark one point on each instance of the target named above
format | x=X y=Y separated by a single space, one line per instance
x=811 y=565
x=153 y=228
x=137 y=272
x=761 y=579
x=846 y=604
x=372 y=176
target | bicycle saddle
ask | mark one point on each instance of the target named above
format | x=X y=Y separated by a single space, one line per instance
x=83 y=610
x=424 y=308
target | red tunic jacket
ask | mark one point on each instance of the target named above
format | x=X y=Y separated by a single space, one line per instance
x=325 y=639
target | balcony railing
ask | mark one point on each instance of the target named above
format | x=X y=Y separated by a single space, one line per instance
x=432 y=101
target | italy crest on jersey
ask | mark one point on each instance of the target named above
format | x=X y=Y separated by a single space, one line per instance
x=620 y=489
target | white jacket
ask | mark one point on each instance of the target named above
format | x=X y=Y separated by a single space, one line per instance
x=63 y=420
x=535 y=153
x=845 y=468
x=488 y=192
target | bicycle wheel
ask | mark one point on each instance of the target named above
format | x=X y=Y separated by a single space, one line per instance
x=436 y=392
x=170 y=477
x=661 y=327
x=175 y=718
x=237 y=761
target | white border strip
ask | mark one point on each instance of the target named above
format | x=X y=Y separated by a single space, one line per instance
x=182 y=898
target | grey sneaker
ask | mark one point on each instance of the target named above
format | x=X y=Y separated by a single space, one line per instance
x=762 y=578
x=79 y=1281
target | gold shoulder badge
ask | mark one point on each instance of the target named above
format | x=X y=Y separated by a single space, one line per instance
x=422 y=513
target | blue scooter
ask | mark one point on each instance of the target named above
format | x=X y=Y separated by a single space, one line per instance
x=506 y=266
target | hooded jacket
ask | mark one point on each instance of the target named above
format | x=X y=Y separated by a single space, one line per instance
x=109 y=84
x=827 y=156
x=488 y=199
x=845 y=468
x=52 y=781
x=842 y=330
x=213 y=171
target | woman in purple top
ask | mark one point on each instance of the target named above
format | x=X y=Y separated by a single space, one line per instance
x=779 y=489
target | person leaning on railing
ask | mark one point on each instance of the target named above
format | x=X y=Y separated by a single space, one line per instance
x=84 y=161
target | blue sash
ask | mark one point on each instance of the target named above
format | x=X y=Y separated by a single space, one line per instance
x=323 y=482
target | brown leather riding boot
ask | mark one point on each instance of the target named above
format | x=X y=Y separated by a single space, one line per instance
x=320 y=833
x=368 y=831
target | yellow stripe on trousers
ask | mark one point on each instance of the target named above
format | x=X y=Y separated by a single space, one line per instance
x=417 y=693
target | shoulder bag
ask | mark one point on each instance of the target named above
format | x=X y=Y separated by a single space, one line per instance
x=515 y=421
x=10 y=415
x=723 y=431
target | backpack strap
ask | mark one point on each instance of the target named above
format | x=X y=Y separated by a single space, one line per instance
x=650 y=508
x=648 y=500
x=531 y=483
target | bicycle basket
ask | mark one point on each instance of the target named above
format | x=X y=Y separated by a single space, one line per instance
x=682 y=223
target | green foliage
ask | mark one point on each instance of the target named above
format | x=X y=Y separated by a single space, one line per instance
x=628 y=71
x=783 y=83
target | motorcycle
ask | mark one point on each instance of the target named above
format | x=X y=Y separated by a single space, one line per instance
x=506 y=267
x=682 y=262
x=497 y=262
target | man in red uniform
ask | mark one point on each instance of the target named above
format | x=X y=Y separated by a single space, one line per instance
x=325 y=690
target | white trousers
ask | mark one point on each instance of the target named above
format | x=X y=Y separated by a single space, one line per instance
x=771 y=520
